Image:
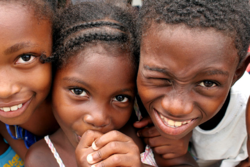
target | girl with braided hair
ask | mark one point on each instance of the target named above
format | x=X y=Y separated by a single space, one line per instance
x=95 y=63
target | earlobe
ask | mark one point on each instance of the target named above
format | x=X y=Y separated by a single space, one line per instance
x=241 y=68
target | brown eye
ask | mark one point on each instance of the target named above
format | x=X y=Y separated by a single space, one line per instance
x=207 y=84
x=24 y=59
x=78 y=92
x=121 y=98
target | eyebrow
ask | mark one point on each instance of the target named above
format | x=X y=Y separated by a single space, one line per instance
x=161 y=70
x=17 y=47
x=208 y=72
x=73 y=79
x=216 y=72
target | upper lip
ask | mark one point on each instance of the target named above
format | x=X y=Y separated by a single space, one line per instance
x=174 y=119
x=13 y=103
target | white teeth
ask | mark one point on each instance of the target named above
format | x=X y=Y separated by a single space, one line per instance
x=172 y=123
x=12 y=108
x=6 y=109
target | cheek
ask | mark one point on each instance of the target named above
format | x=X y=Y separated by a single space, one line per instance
x=41 y=80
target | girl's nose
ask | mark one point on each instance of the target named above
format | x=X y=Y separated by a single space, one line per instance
x=98 y=118
x=8 y=88
x=177 y=105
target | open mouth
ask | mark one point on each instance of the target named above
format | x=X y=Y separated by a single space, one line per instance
x=173 y=127
x=11 y=108
x=15 y=110
x=172 y=123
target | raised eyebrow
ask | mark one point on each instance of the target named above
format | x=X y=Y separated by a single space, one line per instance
x=157 y=69
x=16 y=47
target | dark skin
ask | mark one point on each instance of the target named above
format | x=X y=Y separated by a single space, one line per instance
x=166 y=85
x=93 y=112
x=20 y=51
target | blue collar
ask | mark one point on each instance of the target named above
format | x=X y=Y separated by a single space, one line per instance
x=23 y=134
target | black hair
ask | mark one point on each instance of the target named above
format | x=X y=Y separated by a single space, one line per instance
x=90 y=23
x=43 y=9
x=230 y=17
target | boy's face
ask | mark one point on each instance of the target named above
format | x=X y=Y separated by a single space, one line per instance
x=25 y=82
x=184 y=76
x=94 y=91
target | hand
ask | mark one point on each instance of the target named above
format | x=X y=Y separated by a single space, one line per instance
x=167 y=148
x=114 y=149
x=84 y=147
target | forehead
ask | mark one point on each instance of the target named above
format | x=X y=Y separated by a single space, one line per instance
x=168 y=45
x=95 y=62
x=15 y=17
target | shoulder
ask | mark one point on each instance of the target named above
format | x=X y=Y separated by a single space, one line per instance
x=39 y=154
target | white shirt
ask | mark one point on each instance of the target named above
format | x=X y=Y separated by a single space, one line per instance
x=225 y=145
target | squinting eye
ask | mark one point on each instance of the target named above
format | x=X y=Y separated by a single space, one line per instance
x=207 y=84
x=79 y=92
x=121 y=98
x=24 y=59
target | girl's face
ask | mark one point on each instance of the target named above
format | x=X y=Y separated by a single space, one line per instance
x=95 y=91
x=184 y=76
x=25 y=82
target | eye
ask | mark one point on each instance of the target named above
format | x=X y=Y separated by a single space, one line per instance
x=79 y=92
x=120 y=98
x=208 y=84
x=25 y=58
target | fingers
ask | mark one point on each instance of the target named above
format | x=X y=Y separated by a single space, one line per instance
x=142 y=123
x=110 y=149
x=112 y=145
x=148 y=132
x=83 y=148
x=109 y=137
x=88 y=138
x=119 y=160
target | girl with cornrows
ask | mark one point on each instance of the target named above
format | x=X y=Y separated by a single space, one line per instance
x=26 y=39
x=93 y=91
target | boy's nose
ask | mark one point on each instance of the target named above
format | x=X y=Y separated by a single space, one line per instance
x=98 y=118
x=177 y=105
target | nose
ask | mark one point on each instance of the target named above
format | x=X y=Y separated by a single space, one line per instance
x=177 y=104
x=8 y=86
x=99 y=117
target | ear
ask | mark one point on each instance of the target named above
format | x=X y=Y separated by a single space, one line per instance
x=241 y=68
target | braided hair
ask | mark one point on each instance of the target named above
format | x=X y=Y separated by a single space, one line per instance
x=90 y=23
x=230 y=17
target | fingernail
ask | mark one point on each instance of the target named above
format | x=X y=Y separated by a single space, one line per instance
x=90 y=159
x=94 y=146
x=93 y=157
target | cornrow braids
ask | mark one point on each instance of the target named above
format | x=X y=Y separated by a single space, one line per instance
x=230 y=17
x=91 y=23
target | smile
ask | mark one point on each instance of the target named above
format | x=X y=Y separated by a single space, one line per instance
x=12 y=108
x=172 y=123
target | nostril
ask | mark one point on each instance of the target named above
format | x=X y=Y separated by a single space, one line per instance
x=96 y=122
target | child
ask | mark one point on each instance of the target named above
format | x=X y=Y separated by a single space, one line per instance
x=26 y=39
x=192 y=54
x=94 y=90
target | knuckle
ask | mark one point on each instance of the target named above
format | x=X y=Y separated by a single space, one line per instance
x=89 y=133
x=151 y=142
x=113 y=145
x=157 y=150
x=116 y=159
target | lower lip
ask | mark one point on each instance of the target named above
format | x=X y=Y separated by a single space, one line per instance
x=176 y=131
x=16 y=113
